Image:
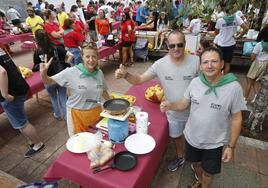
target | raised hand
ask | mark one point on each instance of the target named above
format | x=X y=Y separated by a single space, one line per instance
x=43 y=67
x=165 y=106
x=121 y=72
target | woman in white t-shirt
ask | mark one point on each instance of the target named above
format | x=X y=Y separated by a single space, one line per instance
x=259 y=57
x=225 y=30
x=162 y=29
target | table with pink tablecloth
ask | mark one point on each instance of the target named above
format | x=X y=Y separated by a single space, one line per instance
x=105 y=51
x=19 y=37
x=75 y=167
x=35 y=83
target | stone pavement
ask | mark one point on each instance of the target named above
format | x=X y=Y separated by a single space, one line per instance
x=249 y=168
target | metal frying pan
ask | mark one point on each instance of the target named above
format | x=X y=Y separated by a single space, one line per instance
x=123 y=161
x=116 y=106
x=113 y=106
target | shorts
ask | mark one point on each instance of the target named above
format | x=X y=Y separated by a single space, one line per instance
x=227 y=52
x=16 y=22
x=257 y=69
x=15 y=112
x=176 y=127
x=127 y=44
x=210 y=158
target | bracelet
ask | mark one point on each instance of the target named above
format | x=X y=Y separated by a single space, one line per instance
x=229 y=146
x=125 y=77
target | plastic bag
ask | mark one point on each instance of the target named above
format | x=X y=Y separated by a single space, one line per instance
x=101 y=153
x=248 y=48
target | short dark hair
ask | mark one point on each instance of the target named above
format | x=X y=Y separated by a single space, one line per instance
x=68 y=23
x=177 y=32
x=212 y=49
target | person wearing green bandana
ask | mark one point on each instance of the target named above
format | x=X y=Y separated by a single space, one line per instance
x=85 y=82
x=175 y=71
x=225 y=31
x=259 y=58
x=216 y=102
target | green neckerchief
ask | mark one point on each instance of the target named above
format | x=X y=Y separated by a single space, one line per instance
x=67 y=31
x=228 y=78
x=60 y=40
x=264 y=46
x=86 y=73
x=229 y=19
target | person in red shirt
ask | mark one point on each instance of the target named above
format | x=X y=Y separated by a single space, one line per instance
x=53 y=29
x=78 y=24
x=72 y=41
x=102 y=25
x=128 y=37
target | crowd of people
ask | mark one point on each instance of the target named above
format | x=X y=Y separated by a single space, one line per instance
x=199 y=89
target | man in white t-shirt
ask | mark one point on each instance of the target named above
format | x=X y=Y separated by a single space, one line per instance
x=216 y=102
x=80 y=11
x=195 y=26
x=175 y=72
x=225 y=30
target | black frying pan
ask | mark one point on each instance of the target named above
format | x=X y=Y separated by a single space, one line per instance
x=116 y=106
x=113 y=106
x=123 y=161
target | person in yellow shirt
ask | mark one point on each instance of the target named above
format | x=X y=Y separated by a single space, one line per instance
x=62 y=16
x=33 y=21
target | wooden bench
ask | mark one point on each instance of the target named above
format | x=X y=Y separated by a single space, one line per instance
x=8 y=181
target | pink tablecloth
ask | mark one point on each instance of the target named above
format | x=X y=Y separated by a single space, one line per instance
x=75 y=167
x=35 y=83
x=13 y=38
x=105 y=51
x=116 y=25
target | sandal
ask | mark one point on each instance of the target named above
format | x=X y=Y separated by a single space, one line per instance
x=195 y=184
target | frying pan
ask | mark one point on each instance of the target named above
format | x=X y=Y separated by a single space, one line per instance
x=113 y=106
x=123 y=161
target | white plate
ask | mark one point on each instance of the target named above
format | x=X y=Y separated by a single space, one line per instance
x=121 y=117
x=81 y=142
x=140 y=143
x=28 y=42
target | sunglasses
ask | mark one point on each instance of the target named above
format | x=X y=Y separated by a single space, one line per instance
x=179 y=45
x=89 y=44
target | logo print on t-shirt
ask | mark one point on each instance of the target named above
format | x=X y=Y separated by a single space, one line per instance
x=189 y=77
x=215 y=106
x=194 y=101
x=168 y=78
x=82 y=87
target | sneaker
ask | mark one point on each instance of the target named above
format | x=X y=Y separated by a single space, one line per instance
x=195 y=184
x=31 y=151
x=195 y=175
x=174 y=165
x=57 y=118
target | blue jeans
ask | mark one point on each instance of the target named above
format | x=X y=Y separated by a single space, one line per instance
x=15 y=112
x=58 y=98
x=77 y=55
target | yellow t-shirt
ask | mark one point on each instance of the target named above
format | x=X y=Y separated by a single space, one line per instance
x=62 y=17
x=31 y=22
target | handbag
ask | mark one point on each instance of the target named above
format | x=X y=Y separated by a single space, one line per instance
x=248 y=48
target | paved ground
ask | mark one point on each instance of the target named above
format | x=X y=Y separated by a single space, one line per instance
x=249 y=168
